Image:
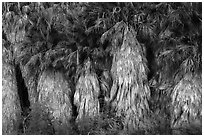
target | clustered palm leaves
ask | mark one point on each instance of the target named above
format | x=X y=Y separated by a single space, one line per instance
x=87 y=92
x=122 y=57
x=54 y=92
x=129 y=72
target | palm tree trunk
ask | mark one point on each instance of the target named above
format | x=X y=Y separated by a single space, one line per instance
x=11 y=109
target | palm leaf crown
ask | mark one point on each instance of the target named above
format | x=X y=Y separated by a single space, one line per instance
x=65 y=34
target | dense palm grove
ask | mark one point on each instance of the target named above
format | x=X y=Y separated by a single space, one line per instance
x=102 y=68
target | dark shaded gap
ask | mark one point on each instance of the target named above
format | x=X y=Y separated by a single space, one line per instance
x=74 y=107
x=70 y=76
x=151 y=62
x=22 y=90
x=101 y=99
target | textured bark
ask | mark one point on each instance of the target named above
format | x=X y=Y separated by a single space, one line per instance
x=54 y=93
x=87 y=92
x=130 y=91
x=187 y=103
x=10 y=101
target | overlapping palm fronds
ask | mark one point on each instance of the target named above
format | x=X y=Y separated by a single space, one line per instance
x=40 y=48
x=187 y=104
x=177 y=47
x=164 y=38
x=54 y=93
x=182 y=59
x=179 y=63
x=87 y=92
x=130 y=91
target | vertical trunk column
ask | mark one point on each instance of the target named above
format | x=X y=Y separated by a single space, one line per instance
x=22 y=90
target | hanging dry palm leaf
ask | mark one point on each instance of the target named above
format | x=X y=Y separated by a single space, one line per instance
x=130 y=91
x=187 y=103
x=87 y=92
x=54 y=92
x=10 y=100
x=114 y=36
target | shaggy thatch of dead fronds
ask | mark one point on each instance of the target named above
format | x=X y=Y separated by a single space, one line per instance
x=130 y=91
x=10 y=101
x=54 y=92
x=87 y=92
x=187 y=103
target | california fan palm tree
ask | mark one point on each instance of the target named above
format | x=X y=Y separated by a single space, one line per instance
x=130 y=91
x=16 y=24
x=103 y=68
x=179 y=63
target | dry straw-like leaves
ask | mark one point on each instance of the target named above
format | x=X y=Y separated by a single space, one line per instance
x=130 y=91
x=54 y=93
x=187 y=102
x=87 y=92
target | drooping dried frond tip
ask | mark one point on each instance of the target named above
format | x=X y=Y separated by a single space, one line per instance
x=87 y=92
x=130 y=91
x=114 y=35
x=187 y=103
x=54 y=92
x=10 y=100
